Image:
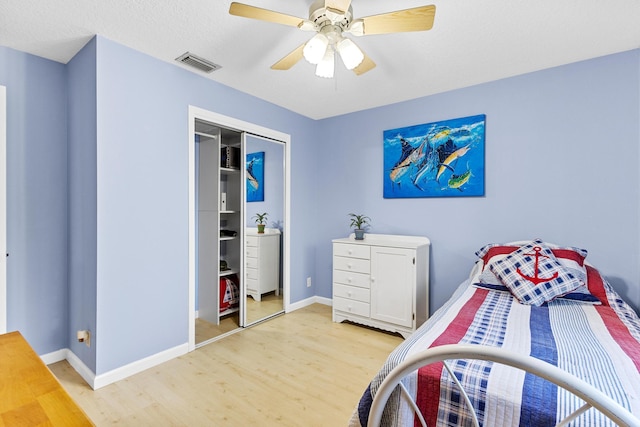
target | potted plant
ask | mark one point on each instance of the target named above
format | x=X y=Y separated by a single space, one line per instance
x=358 y=222
x=260 y=218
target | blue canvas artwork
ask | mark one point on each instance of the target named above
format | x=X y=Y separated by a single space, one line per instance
x=255 y=177
x=441 y=159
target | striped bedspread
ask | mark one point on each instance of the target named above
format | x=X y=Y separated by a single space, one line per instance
x=598 y=343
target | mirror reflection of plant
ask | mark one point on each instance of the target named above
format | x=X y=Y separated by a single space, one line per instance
x=261 y=218
x=358 y=221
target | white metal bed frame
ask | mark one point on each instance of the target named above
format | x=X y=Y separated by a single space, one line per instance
x=591 y=395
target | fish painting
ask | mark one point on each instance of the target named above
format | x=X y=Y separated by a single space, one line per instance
x=435 y=159
x=254 y=172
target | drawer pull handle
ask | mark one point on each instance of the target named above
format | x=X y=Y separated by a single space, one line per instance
x=349 y=266
x=349 y=279
x=349 y=293
x=350 y=251
x=349 y=308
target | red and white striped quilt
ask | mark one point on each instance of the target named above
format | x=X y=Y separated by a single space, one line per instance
x=598 y=343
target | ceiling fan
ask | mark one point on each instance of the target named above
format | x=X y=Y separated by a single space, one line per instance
x=331 y=19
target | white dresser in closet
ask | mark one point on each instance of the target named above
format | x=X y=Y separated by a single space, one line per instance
x=262 y=262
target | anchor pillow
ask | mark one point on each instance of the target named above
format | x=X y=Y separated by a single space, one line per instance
x=488 y=280
x=571 y=258
x=534 y=275
x=572 y=253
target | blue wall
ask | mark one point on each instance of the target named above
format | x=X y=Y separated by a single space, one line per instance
x=81 y=72
x=562 y=164
x=562 y=155
x=36 y=198
x=142 y=194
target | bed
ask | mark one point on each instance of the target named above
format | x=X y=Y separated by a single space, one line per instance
x=530 y=312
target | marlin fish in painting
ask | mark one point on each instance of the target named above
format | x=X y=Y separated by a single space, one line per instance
x=253 y=182
x=412 y=157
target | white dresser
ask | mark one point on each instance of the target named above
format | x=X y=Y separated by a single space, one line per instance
x=262 y=262
x=382 y=281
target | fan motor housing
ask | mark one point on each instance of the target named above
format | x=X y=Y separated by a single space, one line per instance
x=322 y=16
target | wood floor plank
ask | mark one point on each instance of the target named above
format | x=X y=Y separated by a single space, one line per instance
x=296 y=369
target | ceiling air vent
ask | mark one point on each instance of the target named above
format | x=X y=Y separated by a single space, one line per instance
x=197 y=62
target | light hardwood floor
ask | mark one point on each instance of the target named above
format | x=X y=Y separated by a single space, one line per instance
x=206 y=331
x=296 y=369
x=268 y=306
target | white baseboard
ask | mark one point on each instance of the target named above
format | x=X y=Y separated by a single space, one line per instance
x=75 y=362
x=139 y=366
x=102 y=380
x=99 y=381
x=85 y=372
x=53 y=357
x=306 y=302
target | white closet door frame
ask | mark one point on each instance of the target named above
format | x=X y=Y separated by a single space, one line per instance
x=3 y=209
x=240 y=125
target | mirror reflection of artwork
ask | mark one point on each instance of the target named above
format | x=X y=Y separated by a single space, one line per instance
x=255 y=177
x=442 y=159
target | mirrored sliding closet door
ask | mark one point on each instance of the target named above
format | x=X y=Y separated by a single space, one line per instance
x=240 y=229
x=265 y=225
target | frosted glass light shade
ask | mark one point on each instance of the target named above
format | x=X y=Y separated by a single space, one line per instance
x=316 y=48
x=326 y=66
x=351 y=54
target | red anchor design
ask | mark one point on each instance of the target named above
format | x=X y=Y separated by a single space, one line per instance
x=536 y=280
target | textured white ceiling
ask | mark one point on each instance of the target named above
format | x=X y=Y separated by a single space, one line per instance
x=471 y=42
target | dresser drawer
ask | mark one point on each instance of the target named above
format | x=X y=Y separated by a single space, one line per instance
x=252 y=273
x=349 y=250
x=252 y=285
x=350 y=278
x=251 y=252
x=251 y=262
x=351 y=292
x=351 y=264
x=351 y=306
x=251 y=240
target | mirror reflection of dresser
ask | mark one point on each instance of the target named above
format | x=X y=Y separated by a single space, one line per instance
x=263 y=277
x=262 y=262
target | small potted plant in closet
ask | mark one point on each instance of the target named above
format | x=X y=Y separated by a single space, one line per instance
x=261 y=219
x=358 y=222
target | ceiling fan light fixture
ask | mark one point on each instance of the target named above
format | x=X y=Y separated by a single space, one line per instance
x=351 y=54
x=331 y=20
x=326 y=66
x=316 y=48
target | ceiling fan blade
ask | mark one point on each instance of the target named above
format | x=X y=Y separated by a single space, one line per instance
x=415 y=19
x=338 y=5
x=290 y=60
x=366 y=65
x=246 y=11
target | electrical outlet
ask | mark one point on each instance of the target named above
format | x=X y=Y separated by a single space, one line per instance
x=308 y=282
x=85 y=337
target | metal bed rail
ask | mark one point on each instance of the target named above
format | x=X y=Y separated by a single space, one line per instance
x=591 y=395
